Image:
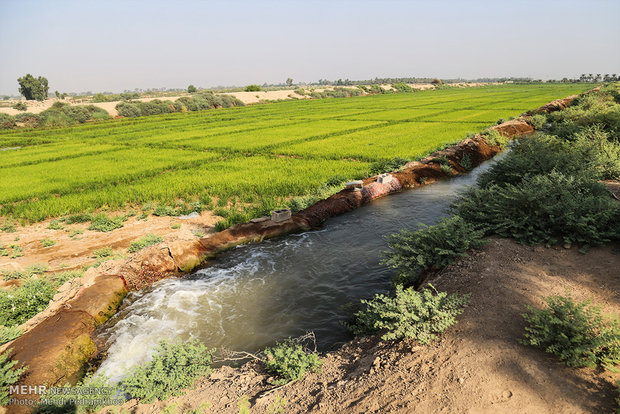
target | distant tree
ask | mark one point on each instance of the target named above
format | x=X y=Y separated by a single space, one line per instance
x=33 y=88
x=436 y=81
x=252 y=88
x=191 y=89
x=289 y=82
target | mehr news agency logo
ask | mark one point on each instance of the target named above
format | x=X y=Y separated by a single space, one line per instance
x=85 y=396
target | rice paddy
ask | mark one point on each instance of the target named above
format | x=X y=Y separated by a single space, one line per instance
x=251 y=157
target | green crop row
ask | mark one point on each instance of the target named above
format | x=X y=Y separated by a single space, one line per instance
x=258 y=155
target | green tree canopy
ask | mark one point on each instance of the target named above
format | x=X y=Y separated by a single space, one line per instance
x=33 y=88
x=191 y=89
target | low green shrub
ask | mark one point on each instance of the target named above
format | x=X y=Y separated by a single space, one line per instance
x=253 y=88
x=19 y=304
x=174 y=366
x=9 y=375
x=20 y=106
x=431 y=247
x=128 y=109
x=466 y=162
x=55 y=225
x=290 y=361
x=47 y=242
x=105 y=224
x=8 y=333
x=601 y=151
x=538 y=121
x=147 y=240
x=103 y=252
x=25 y=274
x=575 y=332
x=402 y=87
x=495 y=139
x=536 y=155
x=77 y=218
x=544 y=209
x=409 y=314
x=6 y=121
x=8 y=226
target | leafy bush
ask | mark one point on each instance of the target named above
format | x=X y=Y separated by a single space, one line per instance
x=402 y=87
x=6 y=121
x=175 y=366
x=55 y=225
x=147 y=240
x=20 y=106
x=538 y=121
x=128 y=109
x=77 y=218
x=252 y=88
x=19 y=304
x=380 y=167
x=597 y=108
x=409 y=314
x=466 y=162
x=29 y=272
x=431 y=247
x=600 y=151
x=47 y=242
x=544 y=209
x=575 y=332
x=103 y=223
x=495 y=139
x=9 y=375
x=191 y=89
x=290 y=361
x=103 y=252
x=539 y=154
x=8 y=333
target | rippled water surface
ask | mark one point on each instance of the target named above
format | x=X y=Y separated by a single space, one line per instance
x=253 y=295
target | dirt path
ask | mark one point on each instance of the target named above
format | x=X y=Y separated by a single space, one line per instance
x=478 y=366
x=73 y=250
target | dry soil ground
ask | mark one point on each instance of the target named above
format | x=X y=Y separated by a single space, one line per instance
x=478 y=366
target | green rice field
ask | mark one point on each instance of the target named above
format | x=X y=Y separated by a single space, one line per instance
x=255 y=156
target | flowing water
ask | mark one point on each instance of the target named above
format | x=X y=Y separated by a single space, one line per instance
x=254 y=295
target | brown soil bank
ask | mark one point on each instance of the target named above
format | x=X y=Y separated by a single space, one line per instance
x=478 y=366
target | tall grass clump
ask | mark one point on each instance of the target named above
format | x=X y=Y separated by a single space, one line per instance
x=174 y=366
x=575 y=332
x=410 y=314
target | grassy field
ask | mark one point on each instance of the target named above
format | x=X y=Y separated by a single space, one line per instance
x=244 y=160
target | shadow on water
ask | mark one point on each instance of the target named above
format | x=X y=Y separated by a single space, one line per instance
x=253 y=295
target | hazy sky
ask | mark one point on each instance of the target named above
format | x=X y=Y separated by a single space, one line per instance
x=112 y=45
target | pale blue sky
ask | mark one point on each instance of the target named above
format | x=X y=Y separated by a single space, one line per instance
x=115 y=45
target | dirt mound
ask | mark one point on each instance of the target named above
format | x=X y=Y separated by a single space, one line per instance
x=478 y=366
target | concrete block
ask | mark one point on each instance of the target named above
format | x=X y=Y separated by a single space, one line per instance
x=355 y=185
x=385 y=178
x=280 y=215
